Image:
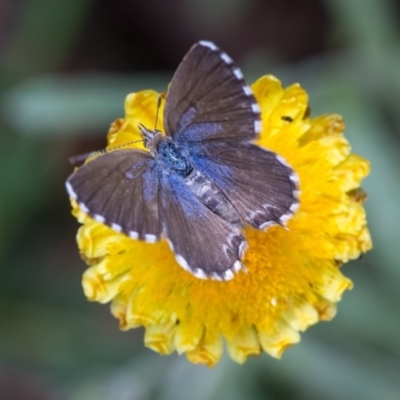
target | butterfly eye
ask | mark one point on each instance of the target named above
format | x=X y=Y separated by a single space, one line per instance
x=147 y=134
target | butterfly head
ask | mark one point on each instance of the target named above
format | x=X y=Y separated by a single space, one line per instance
x=151 y=137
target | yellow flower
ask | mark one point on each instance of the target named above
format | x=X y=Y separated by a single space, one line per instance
x=293 y=277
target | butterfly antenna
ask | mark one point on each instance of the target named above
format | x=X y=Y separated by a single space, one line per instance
x=81 y=158
x=158 y=109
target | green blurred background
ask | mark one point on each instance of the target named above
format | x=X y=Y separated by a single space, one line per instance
x=65 y=69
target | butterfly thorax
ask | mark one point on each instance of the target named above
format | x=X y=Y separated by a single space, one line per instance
x=172 y=159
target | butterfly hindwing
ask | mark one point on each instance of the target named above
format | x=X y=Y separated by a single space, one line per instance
x=121 y=190
x=204 y=243
x=208 y=99
x=261 y=185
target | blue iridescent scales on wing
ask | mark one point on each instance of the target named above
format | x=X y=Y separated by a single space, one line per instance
x=199 y=184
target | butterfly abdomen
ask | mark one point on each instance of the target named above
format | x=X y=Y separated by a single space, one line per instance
x=211 y=196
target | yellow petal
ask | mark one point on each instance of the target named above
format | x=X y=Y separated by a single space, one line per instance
x=301 y=315
x=208 y=352
x=243 y=344
x=278 y=339
x=160 y=337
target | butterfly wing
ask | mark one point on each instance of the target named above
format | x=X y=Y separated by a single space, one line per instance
x=121 y=190
x=208 y=99
x=262 y=187
x=204 y=244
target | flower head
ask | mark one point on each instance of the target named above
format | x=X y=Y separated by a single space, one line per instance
x=293 y=277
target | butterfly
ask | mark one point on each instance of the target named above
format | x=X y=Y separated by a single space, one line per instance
x=198 y=185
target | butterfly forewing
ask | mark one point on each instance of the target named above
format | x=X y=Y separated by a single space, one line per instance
x=204 y=244
x=260 y=184
x=208 y=99
x=120 y=189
